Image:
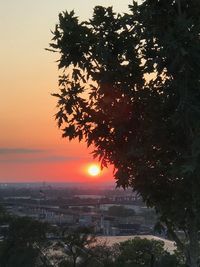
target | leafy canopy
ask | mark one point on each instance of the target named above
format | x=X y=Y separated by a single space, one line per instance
x=23 y=242
x=130 y=88
x=139 y=252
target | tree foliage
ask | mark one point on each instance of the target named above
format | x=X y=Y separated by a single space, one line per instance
x=23 y=243
x=76 y=246
x=120 y=211
x=143 y=252
x=130 y=88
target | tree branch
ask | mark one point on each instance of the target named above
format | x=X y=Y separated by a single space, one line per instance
x=179 y=6
x=179 y=243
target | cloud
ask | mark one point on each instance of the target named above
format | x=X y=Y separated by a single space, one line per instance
x=6 y=151
x=61 y=158
x=30 y=155
x=45 y=159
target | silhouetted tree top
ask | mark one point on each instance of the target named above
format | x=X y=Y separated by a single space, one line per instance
x=130 y=88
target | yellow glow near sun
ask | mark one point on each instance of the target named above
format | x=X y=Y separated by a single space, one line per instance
x=94 y=170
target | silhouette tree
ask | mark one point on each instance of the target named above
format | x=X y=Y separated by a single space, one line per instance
x=143 y=252
x=76 y=246
x=130 y=88
x=120 y=211
x=23 y=243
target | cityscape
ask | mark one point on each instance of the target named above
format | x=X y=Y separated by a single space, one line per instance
x=103 y=216
x=107 y=210
x=100 y=133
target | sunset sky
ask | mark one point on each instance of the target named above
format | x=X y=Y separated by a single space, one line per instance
x=31 y=147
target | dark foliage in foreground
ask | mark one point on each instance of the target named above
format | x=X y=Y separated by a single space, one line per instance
x=23 y=241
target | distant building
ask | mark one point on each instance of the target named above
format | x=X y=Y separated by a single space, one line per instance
x=129 y=229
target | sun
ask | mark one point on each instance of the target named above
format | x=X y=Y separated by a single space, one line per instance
x=94 y=170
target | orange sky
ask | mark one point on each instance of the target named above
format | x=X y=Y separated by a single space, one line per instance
x=31 y=147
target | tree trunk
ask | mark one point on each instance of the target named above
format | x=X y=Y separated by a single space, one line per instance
x=192 y=251
x=152 y=262
x=191 y=248
x=74 y=261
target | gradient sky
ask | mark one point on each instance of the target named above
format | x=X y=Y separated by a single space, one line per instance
x=31 y=147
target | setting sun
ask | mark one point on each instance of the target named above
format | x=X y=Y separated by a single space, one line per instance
x=94 y=170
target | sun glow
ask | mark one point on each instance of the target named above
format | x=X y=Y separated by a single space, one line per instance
x=94 y=170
